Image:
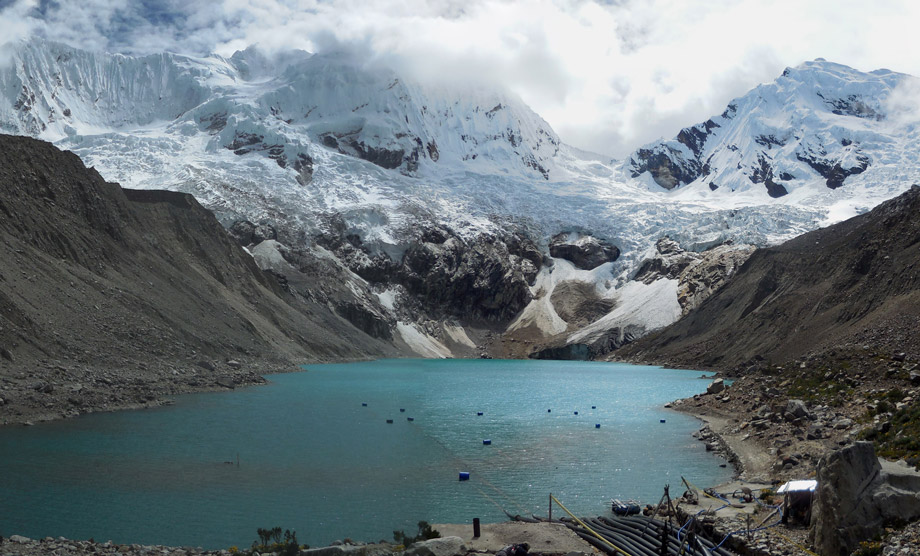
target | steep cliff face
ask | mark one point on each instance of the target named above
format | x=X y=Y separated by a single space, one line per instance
x=120 y=295
x=852 y=283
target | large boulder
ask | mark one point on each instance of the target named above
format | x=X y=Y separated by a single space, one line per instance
x=584 y=251
x=445 y=546
x=796 y=409
x=715 y=386
x=858 y=496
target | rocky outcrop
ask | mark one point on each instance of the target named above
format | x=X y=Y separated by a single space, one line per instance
x=592 y=346
x=242 y=143
x=857 y=496
x=446 y=546
x=668 y=166
x=487 y=277
x=248 y=233
x=584 y=251
x=834 y=169
x=699 y=274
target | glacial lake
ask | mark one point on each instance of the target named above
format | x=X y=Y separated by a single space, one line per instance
x=313 y=459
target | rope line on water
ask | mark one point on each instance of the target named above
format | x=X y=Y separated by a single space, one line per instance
x=593 y=532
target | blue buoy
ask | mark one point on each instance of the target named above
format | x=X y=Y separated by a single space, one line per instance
x=464 y=475
x=576 y=413
x=479 y=413
x=597 y=426
x=364 y=404
x=593 y=407
x=662 y=421
x=402 y=410
x=487 y=442
x=549 y=410
x=390 y=421
x=410 y=418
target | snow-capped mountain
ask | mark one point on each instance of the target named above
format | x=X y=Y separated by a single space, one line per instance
x=455 y=205
x=819 y=127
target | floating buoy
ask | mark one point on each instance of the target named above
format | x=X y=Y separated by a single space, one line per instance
x=402 y=410
x=390 y=421
x=479 y=413
x=549 y=410
x=576 y=413
x=364 y=404
x=410 y=418
x=487 y=442
x=662 y=421
x=597 y=426
x=593 y=407
x=464 y=475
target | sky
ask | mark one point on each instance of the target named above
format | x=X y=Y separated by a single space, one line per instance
x=607 y=76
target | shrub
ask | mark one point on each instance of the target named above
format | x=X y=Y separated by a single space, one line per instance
x=425 y=532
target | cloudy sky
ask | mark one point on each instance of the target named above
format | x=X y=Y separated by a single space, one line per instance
x=608 y=76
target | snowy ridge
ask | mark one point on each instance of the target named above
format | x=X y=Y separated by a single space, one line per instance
x=305 y=141
x=817 y=128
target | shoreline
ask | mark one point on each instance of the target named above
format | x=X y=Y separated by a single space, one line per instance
x=55 y=393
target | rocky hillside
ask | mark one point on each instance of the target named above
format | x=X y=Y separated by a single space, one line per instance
x=111 y=297
x=856 y=283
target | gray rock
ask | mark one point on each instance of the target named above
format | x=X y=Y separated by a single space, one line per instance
x=842 y=423
x=341 y=549
x=5 y=353
x=445 y=546
x=206 y=365
x=19 y=539
x=796 y=409
x=234 y=364
x=715 y=386
x=857 y=496
x=225 y=382
x=584 y=251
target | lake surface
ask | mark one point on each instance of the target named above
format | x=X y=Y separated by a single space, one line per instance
x=313 y=459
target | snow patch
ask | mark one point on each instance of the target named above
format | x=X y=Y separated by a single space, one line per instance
x=651 y=306
x=422 y=343
x=458 y=334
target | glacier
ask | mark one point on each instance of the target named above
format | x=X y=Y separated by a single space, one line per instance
x=322 y=145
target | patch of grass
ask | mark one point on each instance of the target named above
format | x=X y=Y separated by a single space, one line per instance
x=900 y=437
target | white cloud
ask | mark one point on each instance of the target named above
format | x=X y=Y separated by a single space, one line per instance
x=608 y=76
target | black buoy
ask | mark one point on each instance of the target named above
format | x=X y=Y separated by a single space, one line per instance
x=593 y=407
x=390 y=421
x=402 y=410
x=662 y=421
x=597 y=426
x=464 y=475
x=364 y=404
x=549 y=410
x=410 y=418
x=479 y=413
x=487 y=442
x=576 y=413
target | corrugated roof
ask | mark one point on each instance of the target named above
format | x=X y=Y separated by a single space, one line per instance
x=798 y=486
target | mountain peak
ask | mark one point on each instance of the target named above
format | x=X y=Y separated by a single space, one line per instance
x=817 y=127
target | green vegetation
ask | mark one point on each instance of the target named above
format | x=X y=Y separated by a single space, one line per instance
x=869 y=548
x=899 y=437
x=270 y=540
x=425 y=532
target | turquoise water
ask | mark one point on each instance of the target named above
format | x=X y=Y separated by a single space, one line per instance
x=314 y=460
